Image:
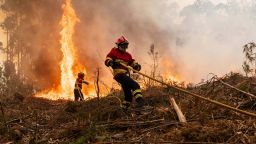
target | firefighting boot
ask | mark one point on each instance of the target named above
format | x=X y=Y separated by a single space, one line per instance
x=81 y=98
x=142 y=108
x=125 y=105
x=140 y=103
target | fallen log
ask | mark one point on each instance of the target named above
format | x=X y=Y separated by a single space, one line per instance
x=179 y=113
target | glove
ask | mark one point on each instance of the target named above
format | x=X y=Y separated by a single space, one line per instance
x=112 y=63
x=109 y=62
x=137 y=67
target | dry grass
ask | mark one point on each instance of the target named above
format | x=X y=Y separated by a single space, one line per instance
x=37 y=120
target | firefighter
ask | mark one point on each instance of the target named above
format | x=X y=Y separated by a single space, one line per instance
x=121 y=74
x=78 y=87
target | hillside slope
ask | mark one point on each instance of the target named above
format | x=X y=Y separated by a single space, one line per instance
x=35 y=120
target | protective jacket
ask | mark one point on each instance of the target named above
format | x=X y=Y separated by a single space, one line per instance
x=124 y=57
x=79 y=83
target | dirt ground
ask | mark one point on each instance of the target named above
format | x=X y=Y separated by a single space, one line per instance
x=36 y=120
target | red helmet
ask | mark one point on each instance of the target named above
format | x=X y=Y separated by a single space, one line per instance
x=122 y=40
x=81 y=75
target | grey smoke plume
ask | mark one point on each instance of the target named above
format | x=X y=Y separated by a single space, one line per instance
x=195 y=40
x=213 y=35
x=102 y=22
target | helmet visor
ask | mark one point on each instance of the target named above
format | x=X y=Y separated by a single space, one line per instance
x=123 y=45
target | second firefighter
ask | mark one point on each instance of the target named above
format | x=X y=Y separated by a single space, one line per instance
x=78 y=87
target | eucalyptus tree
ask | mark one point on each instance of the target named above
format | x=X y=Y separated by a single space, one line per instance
x=250 y=58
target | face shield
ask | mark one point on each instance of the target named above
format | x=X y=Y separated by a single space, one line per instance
x=123 y=46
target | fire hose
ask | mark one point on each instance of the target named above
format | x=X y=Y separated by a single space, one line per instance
x=193 y=94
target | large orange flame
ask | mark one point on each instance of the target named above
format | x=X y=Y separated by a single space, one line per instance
x=68 y=22
x=68 y=69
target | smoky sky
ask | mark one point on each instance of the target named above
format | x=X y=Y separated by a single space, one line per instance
x=213 y=36
x=198 y=39
x=192 y=41
x=102 y=22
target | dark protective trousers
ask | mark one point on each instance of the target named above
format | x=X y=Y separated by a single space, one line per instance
x=128 y=86
x=78 y=95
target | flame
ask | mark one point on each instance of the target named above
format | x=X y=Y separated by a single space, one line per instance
x=172 y=78
x=69 y=65
x=169 y=74
x=68 y=21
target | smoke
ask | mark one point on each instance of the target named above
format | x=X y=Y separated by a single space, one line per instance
x=197 y=39
x=38 y=33
x=102 y=22
x=212 y=36
x=192 y=41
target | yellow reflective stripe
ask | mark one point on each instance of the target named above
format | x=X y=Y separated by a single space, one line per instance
x=121 y=61
x=108 y=58
x=126 y=102
x=77 y=85
x=138 y=95
x=119 y=71
x=136 y=91
x=124 y=106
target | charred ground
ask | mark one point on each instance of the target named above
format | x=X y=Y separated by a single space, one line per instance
x=35 y=120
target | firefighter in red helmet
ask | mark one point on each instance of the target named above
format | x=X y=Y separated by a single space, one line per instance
x=121 y=74
x=78 y=87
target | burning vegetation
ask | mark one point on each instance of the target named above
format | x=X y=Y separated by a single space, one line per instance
x=69 y=64
x=44 y=55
